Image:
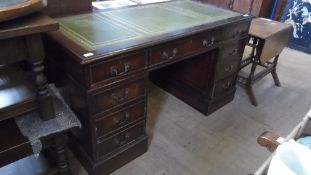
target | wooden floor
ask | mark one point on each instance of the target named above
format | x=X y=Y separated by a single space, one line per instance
x=185 y=142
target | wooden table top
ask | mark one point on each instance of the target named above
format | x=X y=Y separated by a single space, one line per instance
x=11 y=9
x=264 y=28
x=105 y=32
x=30 y=24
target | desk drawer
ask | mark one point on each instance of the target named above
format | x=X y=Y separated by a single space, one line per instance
x=224 y=85
x=229 y=59
x=121 y=139
x=235 y=31
x=119 y=119
x=118 y=67
x=183 y=47
x=107 y=99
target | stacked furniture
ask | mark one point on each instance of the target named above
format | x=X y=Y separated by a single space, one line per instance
x=103 y=59
x=24 y=90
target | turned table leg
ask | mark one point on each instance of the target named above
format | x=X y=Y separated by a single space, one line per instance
x=61 y=159
x=36 y=53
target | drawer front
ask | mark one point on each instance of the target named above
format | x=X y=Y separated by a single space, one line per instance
x=181 y=48
x=224 y=86
x=120 y=119
x=121 y=139
x=104 y=100
x=229 y=59
x=118 y=67
x=235 y=31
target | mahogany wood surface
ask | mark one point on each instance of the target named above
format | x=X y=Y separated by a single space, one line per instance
x=11 y=9
x=108 y=90
x=28 y=25
x=258 y=8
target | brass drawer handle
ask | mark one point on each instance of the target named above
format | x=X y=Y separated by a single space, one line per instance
x=229 y=68
x=234 y=52
x=226 y=85
x=114 y=71
x=166 y=56
x=119 y=99
x=175 y=51
x=122 y=141
x=208 y=44
x=123 y=121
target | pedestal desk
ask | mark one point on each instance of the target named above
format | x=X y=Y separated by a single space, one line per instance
x=103 y=60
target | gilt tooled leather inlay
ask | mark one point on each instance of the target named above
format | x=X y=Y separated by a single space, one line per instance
x=97 y=30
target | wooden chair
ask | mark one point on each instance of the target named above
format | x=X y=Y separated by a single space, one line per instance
x=267 y=39
x=271 y=141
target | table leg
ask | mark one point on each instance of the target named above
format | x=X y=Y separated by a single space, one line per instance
x=273 y=72
x=60 y=155
x=36 y=53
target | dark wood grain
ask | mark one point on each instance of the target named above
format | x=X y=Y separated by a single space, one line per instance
x=31 y=24
x=67 y=7
x=108 y=90
x=16 y=8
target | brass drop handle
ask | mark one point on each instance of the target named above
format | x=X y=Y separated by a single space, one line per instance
x=120 y=99
x=114 y=71
x=175 y=51
x=122 y=141
x=122 y=122
x=166 y=56
x=226 y=85
x=208 y=44
x=229 y=68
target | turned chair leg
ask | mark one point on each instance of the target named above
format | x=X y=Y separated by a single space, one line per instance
x=273 y=72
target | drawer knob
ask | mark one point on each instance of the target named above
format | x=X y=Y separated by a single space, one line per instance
x=115 y=72
x=229 y=68
x=123 y=121
x=166 y=56
x=122 y=141
x=208 y=44
x=120 y=99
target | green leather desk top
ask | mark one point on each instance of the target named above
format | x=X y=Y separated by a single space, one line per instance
x=101 y=29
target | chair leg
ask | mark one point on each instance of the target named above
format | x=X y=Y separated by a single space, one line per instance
x=273 y=72
x=251 y=95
